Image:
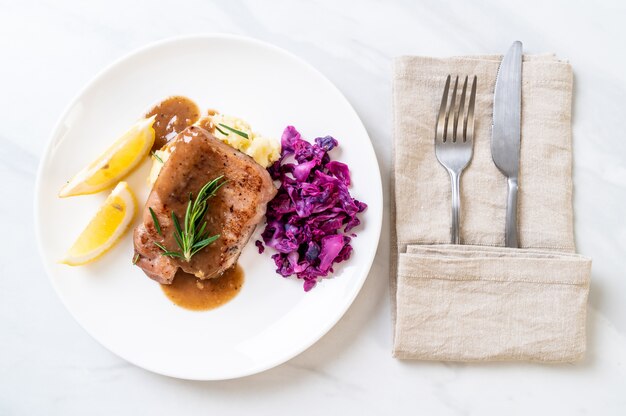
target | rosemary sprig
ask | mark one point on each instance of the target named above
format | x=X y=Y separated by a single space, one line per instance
x=192 y=236
x=154 y=155
x=241 y=133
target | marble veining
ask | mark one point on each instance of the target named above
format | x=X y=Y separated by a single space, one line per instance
x=50 y=49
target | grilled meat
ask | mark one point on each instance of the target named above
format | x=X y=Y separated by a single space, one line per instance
x=198 y=157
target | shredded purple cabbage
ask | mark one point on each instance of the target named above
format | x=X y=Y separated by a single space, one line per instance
x=259 y=245
x=310 y=216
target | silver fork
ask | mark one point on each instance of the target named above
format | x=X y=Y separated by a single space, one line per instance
x=454 y=143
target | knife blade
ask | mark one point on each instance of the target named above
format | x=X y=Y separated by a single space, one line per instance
x=505 y=133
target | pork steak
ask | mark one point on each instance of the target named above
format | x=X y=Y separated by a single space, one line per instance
x=197 y=158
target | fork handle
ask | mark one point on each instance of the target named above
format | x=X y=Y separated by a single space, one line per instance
x=455 y=179
x=510 y=232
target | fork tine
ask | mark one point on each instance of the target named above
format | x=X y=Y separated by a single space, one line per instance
x=468 y=125
x=451 y=109
x=439 y=127
x=460 y=110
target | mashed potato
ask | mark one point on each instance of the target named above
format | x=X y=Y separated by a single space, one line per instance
x=158 y=158
x=263 y=150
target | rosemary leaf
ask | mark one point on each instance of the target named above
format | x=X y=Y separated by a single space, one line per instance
x=176 y=223
x=155 y=221
x=154 y=155
x=201 y=232
x=167 y=252
x=178 y=240
x=159 y=245
x=172 y=254
x=189 y=214
x=202 y=244
x=221 y=131
x=206 y=241
x=241 y=133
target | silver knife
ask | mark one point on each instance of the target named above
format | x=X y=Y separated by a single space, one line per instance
x=505 y=133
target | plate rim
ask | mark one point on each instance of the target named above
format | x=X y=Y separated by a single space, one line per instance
x=46 y=154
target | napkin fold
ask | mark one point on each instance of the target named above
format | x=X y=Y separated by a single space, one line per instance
x=480 y=301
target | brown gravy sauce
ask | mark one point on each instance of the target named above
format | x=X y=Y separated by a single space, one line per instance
x=189 y=292
x=206 y=123
x=173 y=115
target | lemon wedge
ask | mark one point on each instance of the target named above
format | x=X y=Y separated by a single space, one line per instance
x=118 y=160
x=105 y=228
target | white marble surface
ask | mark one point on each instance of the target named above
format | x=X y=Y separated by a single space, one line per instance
x=50 y=49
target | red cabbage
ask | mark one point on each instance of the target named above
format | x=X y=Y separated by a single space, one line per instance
x=259 y=246
x=313 y=210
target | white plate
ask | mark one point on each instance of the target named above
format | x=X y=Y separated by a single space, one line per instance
x=272 y=319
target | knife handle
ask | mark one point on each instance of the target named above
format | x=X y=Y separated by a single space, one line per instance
x=510 y=234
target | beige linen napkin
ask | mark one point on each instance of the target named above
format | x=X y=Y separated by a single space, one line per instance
x=479 y=302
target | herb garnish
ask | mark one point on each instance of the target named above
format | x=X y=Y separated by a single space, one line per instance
x=241 y=133
x=154 y=155
x=155 y=221
x=221 y=131
x=135 y=258
x=192 y=236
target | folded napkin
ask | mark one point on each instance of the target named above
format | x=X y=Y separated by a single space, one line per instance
x=480 y=301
